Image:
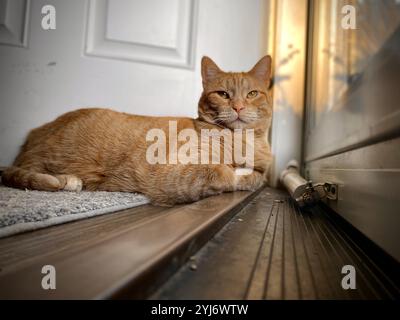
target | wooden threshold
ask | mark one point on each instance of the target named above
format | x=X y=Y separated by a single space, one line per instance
x=273 y=250
x=126 y=254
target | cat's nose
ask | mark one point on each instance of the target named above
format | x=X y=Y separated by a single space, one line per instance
x=238 y=107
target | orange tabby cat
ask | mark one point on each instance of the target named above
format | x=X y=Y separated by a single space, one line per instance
x=100 y=149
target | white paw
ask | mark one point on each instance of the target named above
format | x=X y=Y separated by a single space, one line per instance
x=239 y=173
x=243 y=171
x=73 y=184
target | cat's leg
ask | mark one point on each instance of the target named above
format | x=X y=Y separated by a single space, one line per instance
x=70 y=182
x=248 y=181
x=24 y=178
x=189 y=183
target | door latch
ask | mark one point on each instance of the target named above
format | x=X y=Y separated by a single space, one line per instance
x=305 y=192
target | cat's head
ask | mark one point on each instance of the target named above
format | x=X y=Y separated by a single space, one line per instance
x=236 y=100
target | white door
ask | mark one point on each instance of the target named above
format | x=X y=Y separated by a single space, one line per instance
x=136 y=56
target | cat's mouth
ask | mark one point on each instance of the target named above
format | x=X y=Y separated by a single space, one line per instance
x=237 y=123
x=233 y=121
x=239 y=119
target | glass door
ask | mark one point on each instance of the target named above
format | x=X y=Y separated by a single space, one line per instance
x=352 y=128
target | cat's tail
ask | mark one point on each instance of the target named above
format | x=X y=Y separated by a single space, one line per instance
x=26 y=179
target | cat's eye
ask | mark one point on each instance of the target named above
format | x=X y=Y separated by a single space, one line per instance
x=252 y=94
x=223 y=94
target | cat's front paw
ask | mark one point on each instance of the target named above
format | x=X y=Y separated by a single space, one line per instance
x=70 y=182
x=73 y=184
x=249 y=182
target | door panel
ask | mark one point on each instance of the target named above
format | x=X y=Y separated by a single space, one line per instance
x=14 y=15
x=133 y=30
x=140 y=57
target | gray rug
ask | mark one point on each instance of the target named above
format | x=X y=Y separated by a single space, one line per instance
x=22 y=211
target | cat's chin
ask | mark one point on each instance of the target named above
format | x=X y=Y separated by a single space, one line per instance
x=237 y=124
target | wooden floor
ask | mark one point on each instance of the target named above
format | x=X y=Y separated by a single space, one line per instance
x=124 y=254
x=266 y=249
x=271 y=250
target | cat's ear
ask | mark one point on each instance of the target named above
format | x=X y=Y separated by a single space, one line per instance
x=209 y=70
x=262 y=69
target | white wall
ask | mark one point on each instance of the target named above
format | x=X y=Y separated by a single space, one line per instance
x=60 y=70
